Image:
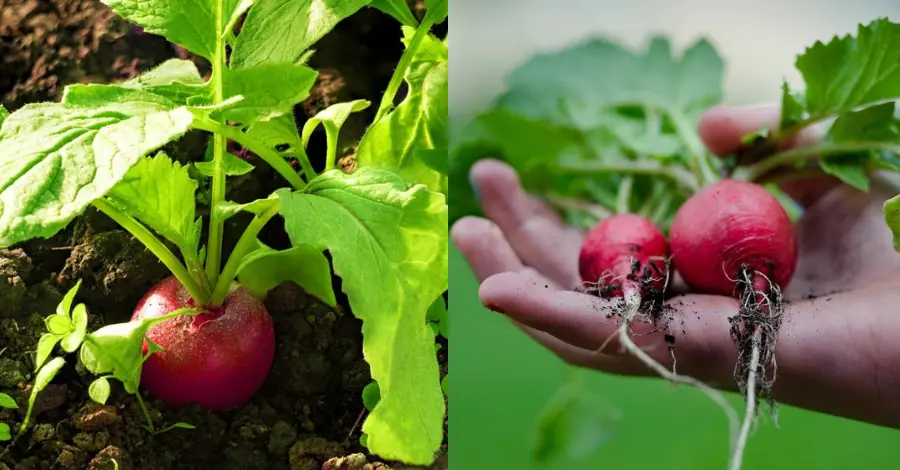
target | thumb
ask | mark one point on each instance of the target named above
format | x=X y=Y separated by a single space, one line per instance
x=722 y=129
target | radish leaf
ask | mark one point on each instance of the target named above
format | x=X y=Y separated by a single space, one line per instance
x=99 y=390
x=269 y=90
x=192 y=24
x=5 y=434
x=160 y=193
x=265 y=268
x=332 y=118
x=851 y=71
x=58 y=158
x=176 y=79
x=418 y=125
x=280 y=31
x=3 y=114
x=45 y=348
x=574 y=425
x=7 y=401
x=388 y=243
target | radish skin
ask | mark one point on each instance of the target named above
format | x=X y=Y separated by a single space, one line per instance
x=734 y=238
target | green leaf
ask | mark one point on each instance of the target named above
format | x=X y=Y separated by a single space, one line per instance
x=79 y=321
x=364 y=440
x=444 y=387
x=177 y=80
x=178 y=425
x=265 y=268
x=269 y=90
x=848 y=169
x=59 y=324
x=851 y=71
x=573 y=426
x=99 y=390
x=44 y=348
x=116 y=349
x=332 y=118
x=568 y=87
x=192 y=24
x=7 y=401
x=5 y=434
x=160 y=193
x=55 y=159
x=371 y=395
x=277 y=31
x=874 y=124
x=892 y=218
x=437 y=310
x=438 y=8
x=3 y=114
x=228 y=209
x=231 y=164
x=399 y=9
x=792 y=108
x=416 y=126
x=65 y=306
x=388 y=243
x=43 y=378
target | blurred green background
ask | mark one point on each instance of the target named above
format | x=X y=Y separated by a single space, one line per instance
x=502 y=379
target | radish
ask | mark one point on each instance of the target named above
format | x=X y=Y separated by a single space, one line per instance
x=626 y=255
x=734 y=238
x=217 y=359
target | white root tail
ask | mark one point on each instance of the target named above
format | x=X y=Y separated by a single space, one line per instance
x=632 y=307
x=750 y=413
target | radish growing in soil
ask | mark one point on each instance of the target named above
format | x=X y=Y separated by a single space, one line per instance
x=207 y=337
x=734 y=238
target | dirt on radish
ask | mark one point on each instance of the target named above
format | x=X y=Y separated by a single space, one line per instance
x=307 y=413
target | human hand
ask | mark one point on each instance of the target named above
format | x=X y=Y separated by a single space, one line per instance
x=838 y=350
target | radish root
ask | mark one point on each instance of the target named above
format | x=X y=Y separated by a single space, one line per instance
x=632 y=311
x=755 y=330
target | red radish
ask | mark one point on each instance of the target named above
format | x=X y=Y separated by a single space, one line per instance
x=730 y=227
x=217 y=359
x=622 y=249
x=734 y=238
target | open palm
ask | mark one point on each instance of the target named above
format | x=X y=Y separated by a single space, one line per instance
x=838 y=350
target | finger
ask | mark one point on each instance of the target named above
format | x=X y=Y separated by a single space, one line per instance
x=484 y=247
x=723 y=127
x=537 y=235
x=699 y=324
x=613 y=364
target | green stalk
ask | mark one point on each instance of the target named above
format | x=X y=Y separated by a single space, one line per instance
x=813 y=152
x=162 y=252
x=700 y=163
x=244 y=246
x=270 y=156
x=678 y=175
x=217 y=190
x=623 y=197
x=387 y=100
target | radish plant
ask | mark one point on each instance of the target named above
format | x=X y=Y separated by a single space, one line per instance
x=384 y=224
x=612 y=121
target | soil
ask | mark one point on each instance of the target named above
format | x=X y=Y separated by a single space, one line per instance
x=307 y=415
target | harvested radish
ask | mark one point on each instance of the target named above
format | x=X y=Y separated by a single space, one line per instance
x=217 y=359
x=626 y=256
x=734 y=238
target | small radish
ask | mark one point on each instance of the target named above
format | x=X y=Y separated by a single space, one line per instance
x=626 y=256
x=217 y=359
x=734 y=238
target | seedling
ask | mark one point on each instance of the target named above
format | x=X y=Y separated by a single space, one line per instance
x=384 y=225
x=620 y=133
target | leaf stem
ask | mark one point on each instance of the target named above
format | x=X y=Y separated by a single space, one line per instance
x=162 y=252
x=143 y=406
x=623 y=197
x=699 y=161
x=270 y=156
x=216 y=221
x=387 y=100
x=813 y=152
x=676 y=174
x=244 y=245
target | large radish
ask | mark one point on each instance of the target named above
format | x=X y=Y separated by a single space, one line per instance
x=734 y=238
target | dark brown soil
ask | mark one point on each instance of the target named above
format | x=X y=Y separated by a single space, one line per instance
x=306 y=415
